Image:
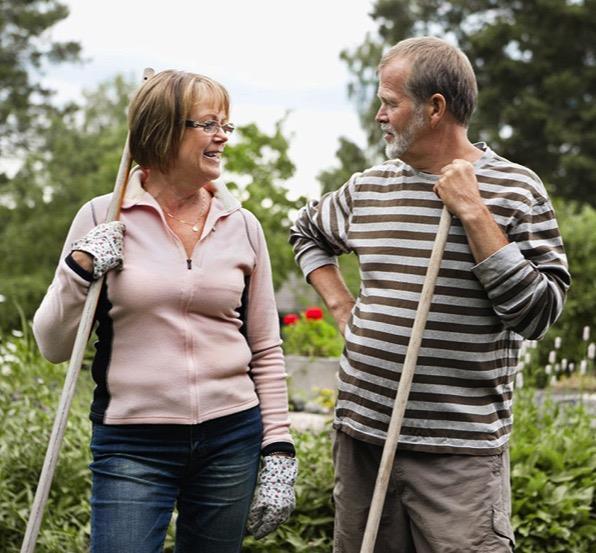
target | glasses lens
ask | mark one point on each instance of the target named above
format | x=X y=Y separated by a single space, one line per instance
x=210 y=127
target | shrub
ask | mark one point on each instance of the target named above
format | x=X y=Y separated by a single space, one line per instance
x=29 y=392
x=553 y=457
x=310 y=335
x=559 y=371
x=310 y=528
x=553 y=469
x=578 y=228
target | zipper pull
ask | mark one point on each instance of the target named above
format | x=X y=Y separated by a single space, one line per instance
x=189 y=264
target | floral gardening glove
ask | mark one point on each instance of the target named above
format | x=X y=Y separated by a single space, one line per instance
x=274 y=498
x=105 y=243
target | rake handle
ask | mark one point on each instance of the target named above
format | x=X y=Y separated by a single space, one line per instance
x=405 y=383
x=56 y=438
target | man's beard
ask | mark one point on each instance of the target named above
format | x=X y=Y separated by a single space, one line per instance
x=403 y=140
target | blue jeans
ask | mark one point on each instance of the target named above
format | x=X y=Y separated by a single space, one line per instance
x=140 y=472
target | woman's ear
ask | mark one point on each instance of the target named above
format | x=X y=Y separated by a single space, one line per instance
x=437 y=106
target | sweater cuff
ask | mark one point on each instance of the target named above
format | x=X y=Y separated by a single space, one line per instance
x=497 y=266
x=279 y=447
x=84 y=274
x=313 y=259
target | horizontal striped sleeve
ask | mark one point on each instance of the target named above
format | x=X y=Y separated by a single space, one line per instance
x=319 y=233
x=527 y=280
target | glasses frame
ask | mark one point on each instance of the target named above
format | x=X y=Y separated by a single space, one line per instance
x=227 y=128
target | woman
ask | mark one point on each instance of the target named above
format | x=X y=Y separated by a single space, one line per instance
x=190 y=382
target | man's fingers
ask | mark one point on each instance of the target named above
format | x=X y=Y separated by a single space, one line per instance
x=456 y=165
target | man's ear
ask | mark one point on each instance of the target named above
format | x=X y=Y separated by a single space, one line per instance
x=437 y=108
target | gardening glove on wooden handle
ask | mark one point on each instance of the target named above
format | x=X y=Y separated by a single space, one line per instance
x=105 y=243
x=274 y=498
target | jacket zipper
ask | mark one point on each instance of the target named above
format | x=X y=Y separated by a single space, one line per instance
x=189 y=264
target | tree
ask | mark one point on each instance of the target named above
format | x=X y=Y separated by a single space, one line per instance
x=578 y=227
x=25 y=47
x=536 y=68
x=351 y=160
x=261 y=163
x=77 y=157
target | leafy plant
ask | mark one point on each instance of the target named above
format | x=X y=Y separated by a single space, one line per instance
x=310 y=528
x=553 y=454
x=310 y=335
x=553 y=457
x=29 y=391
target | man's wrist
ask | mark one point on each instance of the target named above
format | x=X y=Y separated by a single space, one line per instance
x=340 y=305
x=471 y=215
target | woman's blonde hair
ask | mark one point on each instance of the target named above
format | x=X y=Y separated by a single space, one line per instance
x=159 y=109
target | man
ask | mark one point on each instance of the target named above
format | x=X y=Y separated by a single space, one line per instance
x=503 y=277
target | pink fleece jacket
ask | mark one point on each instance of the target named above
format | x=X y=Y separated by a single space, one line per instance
x=170 y=350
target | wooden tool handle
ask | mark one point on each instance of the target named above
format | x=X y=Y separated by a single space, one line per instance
x=405 y=383
x=74 y=367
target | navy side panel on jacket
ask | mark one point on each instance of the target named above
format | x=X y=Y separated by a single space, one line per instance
x=103 y=354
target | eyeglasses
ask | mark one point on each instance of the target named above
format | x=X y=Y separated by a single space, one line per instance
x=210 y=127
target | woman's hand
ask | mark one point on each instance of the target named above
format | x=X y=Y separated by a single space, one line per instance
x=84 y=260
x=105 y=244
x=274 y=498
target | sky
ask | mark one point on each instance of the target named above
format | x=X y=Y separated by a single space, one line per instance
x=274 y=56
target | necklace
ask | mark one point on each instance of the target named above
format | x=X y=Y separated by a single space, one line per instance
x=193 y=226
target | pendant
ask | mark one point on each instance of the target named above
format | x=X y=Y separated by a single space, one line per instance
x=195 y=228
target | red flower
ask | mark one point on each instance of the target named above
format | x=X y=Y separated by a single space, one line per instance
x=314 y=313
x=290 y=319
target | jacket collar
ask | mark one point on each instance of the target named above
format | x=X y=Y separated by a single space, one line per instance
x=224 y=202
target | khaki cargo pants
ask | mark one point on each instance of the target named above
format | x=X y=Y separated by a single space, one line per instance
x=435 y=503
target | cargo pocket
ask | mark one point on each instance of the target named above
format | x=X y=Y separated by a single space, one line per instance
x=502 y=526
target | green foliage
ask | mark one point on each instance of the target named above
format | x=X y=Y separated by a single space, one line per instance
x=25 y=47
x=29 y=391
x=578 y=228
x=260 y=164
x=77 y=158
x=310 y=528
x=326 y=398
x=350 y=271
x=312 y=338
x=553 y=457
x=536 y=70
x=351 y=160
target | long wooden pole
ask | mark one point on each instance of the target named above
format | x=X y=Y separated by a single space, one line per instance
x=74 y=367
x=405 y=383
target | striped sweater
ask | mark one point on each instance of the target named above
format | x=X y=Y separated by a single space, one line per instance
x=461 y=395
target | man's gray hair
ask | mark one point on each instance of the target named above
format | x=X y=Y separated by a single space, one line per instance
x=437 y=67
